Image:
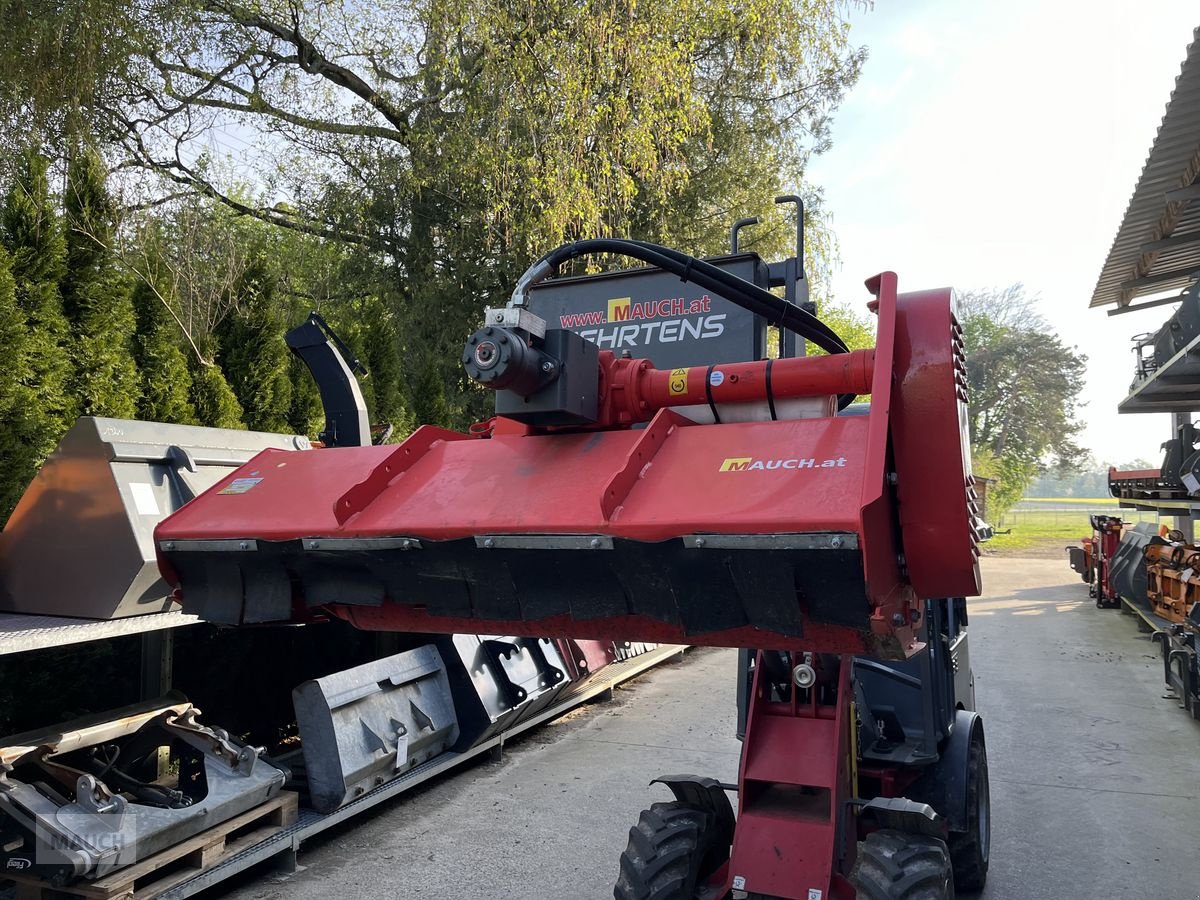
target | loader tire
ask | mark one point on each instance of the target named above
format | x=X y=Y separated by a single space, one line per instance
x=671 y=852
x=897 y=865
x=970 y=849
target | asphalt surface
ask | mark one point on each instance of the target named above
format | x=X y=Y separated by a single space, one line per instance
x=1095 y=787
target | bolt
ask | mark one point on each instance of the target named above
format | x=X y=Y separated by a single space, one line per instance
x=405 y=544
x=897 y=619
x=594 y=543
x=547 y=367
x=900 y=560
x=313 y=545
x=488 y=544
x=892 y=478
x=836 y=541
x=170 y=545
x=804 y=675
x=499 y=315
x=700 y=542
x=243 y=546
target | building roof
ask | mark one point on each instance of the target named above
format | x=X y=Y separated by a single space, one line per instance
x=1157 y=247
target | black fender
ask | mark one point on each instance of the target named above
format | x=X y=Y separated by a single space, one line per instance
x=707 y=794
x=943 y=784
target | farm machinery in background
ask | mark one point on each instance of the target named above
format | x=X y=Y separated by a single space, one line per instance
x=1153 y=569
x=650 y=475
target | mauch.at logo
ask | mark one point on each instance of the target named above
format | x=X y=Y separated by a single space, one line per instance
x=751 y=464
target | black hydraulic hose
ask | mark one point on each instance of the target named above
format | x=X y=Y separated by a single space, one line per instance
x=746 y=295
x=749 y=296
x=733 y=282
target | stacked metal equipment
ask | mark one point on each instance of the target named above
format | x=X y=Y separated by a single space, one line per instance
x=87 y=797
x=77 y=794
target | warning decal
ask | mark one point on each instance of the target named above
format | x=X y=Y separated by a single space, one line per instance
x=678 y=383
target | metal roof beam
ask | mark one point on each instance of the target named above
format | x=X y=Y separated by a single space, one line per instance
x=1161 y=301
x=1183 y=194
x=1160 y=278
x=1168 y=243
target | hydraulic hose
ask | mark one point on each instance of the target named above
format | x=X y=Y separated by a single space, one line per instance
x=749 y=296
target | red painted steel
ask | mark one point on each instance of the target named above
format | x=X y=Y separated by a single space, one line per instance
x=795 y=831
x=930 y=440
x=636 y=391
x=674 y=478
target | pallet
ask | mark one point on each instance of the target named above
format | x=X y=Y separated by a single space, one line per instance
x=156 y=874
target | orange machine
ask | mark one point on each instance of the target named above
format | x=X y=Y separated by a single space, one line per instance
x=1173 y=579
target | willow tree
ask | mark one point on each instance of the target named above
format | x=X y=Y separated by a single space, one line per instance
x=452 y=141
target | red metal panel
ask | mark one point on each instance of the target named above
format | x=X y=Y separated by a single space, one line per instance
x=293 y=496
x=792 y=791
x=930 y=442
x=398 y=617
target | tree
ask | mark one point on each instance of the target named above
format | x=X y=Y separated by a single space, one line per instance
x=97 y=296
x=858 y=331
x=256 y=362
x=14 y=395
x=166 y=376
x=216 y=404
x=1024 y=388
x=454 y=141
x=32 y=232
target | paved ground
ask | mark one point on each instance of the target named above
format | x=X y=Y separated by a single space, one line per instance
x=1095 y=783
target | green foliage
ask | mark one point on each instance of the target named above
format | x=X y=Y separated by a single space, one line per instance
x=256 y=362
x=1012 y=475
x=304 y=413
x=97 y=296
x=856 y=330
x=32 y=233
x=14 y=396
x=215 y=403
x=1024 y=385
x=166 y=377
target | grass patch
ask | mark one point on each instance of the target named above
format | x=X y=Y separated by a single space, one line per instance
x=1040 y=527
x=1029 y=534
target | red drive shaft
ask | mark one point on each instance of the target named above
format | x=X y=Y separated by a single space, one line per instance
x=635 y=390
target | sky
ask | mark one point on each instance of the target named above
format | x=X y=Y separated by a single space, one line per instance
x=992 y=142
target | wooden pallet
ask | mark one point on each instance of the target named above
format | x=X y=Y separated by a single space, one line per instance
x=152 y=876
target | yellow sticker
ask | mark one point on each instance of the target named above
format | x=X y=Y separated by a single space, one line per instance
x=678 y=383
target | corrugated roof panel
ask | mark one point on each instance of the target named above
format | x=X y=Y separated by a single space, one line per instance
x=1174 y=162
